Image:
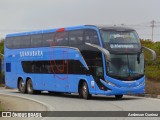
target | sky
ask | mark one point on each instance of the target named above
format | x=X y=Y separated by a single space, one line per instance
x=28 y=15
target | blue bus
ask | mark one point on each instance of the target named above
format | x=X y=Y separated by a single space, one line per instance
x=87 y=59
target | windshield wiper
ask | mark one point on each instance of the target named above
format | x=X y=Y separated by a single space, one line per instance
x=136 y=74
x=129 y=77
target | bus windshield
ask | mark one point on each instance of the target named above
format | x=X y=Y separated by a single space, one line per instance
x=126 y=65
x=113 y=36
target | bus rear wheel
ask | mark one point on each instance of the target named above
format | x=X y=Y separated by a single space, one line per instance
x=21 y=86
x=118 y=96
x=84 y=91
x=30 y=87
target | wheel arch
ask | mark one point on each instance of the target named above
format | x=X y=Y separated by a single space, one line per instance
x=80 y=84
x=18 y=80
x=28 y=79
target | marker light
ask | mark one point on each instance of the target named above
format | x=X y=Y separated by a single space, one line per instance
x=61 y=30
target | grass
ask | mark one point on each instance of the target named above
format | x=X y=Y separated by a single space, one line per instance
x=153 y=73
x=152 y=68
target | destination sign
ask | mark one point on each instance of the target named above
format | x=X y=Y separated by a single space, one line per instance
x=123 y=46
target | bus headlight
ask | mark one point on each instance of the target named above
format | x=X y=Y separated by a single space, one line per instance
x=142 y=84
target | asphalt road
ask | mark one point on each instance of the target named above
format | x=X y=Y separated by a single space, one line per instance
x=97 y=103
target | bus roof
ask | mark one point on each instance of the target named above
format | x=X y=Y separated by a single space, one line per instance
x=118 y=28
x=43 y=31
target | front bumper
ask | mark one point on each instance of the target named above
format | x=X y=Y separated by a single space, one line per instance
x=123 y=87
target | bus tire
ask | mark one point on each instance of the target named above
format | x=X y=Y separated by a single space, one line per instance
x=21 y=86
x=30 y=87
x=118 y=96
x=80 y=94
x=85 y=92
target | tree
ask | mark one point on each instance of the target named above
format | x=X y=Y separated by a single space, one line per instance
x=2 y=46
x=1 y=52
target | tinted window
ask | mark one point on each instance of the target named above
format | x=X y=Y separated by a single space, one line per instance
x=47 y=67
x=91 y=36
x=113 y=36
x=8 y=67
x=76 y=67
x=27 y=66
x=59 y=66
x=48 y=39
x=61 y=39
x=76 y=37
x=17 y=42
x=54 y=67
x=21 y=42
x=36 y=40
x=9 y=42
x=26 y=41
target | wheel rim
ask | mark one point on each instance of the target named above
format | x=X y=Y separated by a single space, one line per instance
x=21 y=85
x=29 y=86
x=84 y=90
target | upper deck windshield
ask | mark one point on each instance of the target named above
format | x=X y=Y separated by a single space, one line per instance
x=121 y=36
x=126 y=58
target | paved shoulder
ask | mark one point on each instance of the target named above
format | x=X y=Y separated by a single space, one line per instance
x=13 y=103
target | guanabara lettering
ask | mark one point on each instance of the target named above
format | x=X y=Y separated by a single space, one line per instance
x=37 y=53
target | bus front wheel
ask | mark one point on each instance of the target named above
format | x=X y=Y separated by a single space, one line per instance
x=84 y=91
x=21 y=86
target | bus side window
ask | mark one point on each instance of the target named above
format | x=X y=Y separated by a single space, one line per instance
x=48 y=39
x=47 y=67
x=36 y=40
x=28 y=66
x=8 y=67
x=61 y=39
x=76 y=37
x=91 y=36
x=21 y=42
x=17 y=42
x=26 y=41
x=9 y=42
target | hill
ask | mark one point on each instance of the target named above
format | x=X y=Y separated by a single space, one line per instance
x=152 y=68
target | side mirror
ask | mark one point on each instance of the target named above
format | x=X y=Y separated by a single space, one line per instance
x=151 y=51
x=106 y=52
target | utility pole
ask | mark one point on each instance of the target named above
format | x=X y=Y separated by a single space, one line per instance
x=152 y=26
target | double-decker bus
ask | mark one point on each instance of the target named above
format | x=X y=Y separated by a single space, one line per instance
x=86 y=59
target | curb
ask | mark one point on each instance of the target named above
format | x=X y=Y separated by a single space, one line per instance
x=158 y=96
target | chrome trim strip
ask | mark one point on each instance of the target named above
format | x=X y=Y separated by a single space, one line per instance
x=105 y=51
